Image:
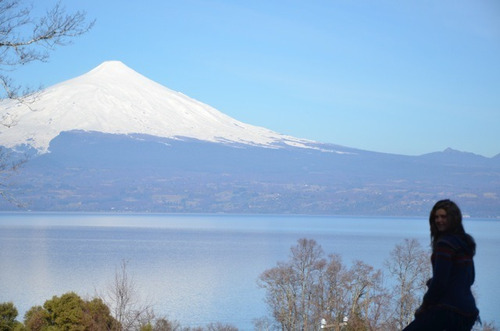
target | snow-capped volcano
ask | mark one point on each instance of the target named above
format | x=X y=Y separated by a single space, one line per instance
x=112 y=98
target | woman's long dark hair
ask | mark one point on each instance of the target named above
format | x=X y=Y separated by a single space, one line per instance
x=454 y=216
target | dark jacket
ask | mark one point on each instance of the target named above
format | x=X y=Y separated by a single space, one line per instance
x=452 y=276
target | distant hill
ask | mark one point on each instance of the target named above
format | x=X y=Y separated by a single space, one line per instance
x=91 y=171
x=114 y=141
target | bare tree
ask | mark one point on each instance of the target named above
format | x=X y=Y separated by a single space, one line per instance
x=292 y=286
x=9 y=164
x=367 y=297
x=25 y=38
x=308 y=289
x=124 y=302
x=264 y=324
x=485 y=326
x=333 y=306
x=308 y=265
x=409 y=264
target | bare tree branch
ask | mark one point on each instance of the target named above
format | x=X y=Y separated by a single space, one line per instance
x=24 y=38
x=124 y=302
x=9 y=164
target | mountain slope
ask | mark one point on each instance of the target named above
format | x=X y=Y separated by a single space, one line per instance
x=92 y=171
x=113 y=98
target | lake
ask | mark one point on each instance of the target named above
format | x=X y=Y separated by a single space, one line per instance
x=199 y=269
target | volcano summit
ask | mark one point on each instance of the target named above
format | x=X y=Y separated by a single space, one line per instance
x=112 y=98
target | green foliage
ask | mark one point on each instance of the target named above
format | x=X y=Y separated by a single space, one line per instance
x=147 y=327
x=36 y=318
x=66 y=312
x=8 y=315
x=69 y=312
x=98 y=316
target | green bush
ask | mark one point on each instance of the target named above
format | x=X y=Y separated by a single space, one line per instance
x=69 y=312
x=8 y=315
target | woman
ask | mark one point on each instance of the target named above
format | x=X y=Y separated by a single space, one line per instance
x=448 y=303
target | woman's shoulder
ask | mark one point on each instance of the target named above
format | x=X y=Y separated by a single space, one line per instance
x=456 y=241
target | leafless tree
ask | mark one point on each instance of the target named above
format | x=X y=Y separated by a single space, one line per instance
x=307 y=265
x=25 y=38
x=292 y=286
x=264 y=324
x=220 y=327
x=333 y=305
x=367 y=297
x=9 y=163
x=124 y=301
x=409 y=265
x=309 y=288
x=485 y=326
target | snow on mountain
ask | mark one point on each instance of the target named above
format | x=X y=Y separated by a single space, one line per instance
x=112 y=98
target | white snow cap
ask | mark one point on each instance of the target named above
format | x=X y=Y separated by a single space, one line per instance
x=112 y=98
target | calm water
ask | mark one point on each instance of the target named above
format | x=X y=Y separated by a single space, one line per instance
x=201 y=269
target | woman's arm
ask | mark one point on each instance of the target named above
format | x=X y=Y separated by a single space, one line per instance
x=441 y=270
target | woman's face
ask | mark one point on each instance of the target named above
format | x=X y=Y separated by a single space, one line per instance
x=441 y=220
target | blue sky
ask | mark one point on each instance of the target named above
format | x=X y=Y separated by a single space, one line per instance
x=405 y=77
